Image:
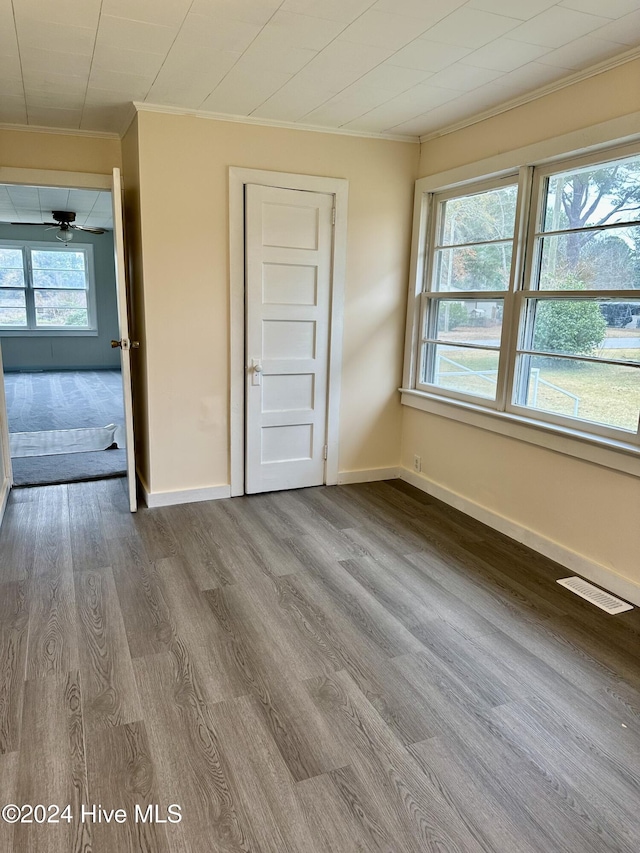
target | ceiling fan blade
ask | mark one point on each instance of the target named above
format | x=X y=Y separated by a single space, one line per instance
x=89 y=230
x=40 y=224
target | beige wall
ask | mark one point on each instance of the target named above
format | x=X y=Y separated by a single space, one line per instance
x=587 y=509
x=600 y=98
x=184 y=165
x=22 y=149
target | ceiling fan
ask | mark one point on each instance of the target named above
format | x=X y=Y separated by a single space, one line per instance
x=65 y=223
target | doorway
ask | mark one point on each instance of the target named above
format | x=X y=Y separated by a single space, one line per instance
x=287 y=249
x=58 y=301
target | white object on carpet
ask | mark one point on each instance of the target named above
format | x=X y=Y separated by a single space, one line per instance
x=55 y=441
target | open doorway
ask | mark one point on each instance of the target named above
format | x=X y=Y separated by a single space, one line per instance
x=58 y=316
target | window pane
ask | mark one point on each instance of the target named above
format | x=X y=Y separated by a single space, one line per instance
x=62 y=259
x=591 y=260
x=60 y=298
x=470 y=371
x=483 y=216
x=12 y=278
x=594 y=327
x=59 y=278
x=473 y=268
x=10 y=259
x=607 y=394
x=594 y=195
x=471 y=321
x=12 y=298
x=62 y=317
x=13 y=317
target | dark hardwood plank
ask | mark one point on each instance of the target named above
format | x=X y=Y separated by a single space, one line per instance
x=198 y=546
x=263 y=779
x=194 y=629
x=109 y=690
x=51 y=531
x=52 y=728
x=88 y=543
x=121 y=775
x=410 y=810
x=8 y=794
x=17 y=542
x=14 y=618
x=307 y=744
x=192 y=768
x=53 y=641
x=144 y=611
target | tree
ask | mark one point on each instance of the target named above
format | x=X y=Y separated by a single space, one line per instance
x=572 y=326
x=590 y=198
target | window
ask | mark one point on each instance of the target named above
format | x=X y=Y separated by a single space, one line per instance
x=530 y=304
x=46 y=289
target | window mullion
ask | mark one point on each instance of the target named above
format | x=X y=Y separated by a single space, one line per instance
x=513 y=306
x=29 y=294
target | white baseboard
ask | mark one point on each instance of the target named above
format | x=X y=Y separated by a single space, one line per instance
x=368 y=475
x=184 y=496
x=575 y=562
x=5 y=489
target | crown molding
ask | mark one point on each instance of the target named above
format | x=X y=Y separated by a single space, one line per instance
x=287 y=125
x=536 y=94
x=61 y=131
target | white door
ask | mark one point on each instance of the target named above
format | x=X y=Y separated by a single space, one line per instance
x=6 y=473
x=288 y=250
x=124 y=343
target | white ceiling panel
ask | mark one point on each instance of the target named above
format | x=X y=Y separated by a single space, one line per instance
x=250 y=11
x=428 y=55
x=610 y=9
x=333 y=10
x=340 y=63
x=522 y=9
x=572 y=55
x=463 y=78
x=625 y=30
x=381 y=29
x=244 y=90
x=429 y=12
x=166 y=14
x=59 y=37
x=188 y=78
x=36 y=204
x=505 y=54
x=468 y=27
x=557 y=27
x=136 y=34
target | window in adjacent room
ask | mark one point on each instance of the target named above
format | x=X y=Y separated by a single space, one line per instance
x=46 y=289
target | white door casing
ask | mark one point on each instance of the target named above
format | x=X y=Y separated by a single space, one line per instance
x=125 y=343
x=288 y=301
x=6 y=472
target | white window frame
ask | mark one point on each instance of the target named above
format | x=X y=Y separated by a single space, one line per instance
x=31 y=330
x=613 y=448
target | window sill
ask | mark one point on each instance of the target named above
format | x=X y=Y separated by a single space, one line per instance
x=48 y=333
x=617 y=455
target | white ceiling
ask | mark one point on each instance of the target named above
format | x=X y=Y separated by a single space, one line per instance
x=35 y=204
x=380 y=66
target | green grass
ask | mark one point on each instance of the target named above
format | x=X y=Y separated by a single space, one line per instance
x=608 y=394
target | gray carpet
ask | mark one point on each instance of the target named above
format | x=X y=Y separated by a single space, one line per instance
x=65 y=400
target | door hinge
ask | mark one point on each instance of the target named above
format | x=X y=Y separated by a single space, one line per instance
x=325 y=451
x=333 y=216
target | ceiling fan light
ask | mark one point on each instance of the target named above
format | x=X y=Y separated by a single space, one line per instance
x=65 y=235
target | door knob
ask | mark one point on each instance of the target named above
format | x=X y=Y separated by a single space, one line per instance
x=125 y=344
x=115 y=344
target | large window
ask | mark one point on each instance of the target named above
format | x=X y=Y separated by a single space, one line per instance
x=45 y=288
x=530 y=301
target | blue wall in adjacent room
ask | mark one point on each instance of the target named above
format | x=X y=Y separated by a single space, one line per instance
x=69 y=352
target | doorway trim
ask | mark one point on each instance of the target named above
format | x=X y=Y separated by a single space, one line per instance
x=339 y=188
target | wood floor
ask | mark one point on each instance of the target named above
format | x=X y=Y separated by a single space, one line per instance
x=332 y=670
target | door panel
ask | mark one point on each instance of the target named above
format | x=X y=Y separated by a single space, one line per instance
x=289 y=243
x=125 y=343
